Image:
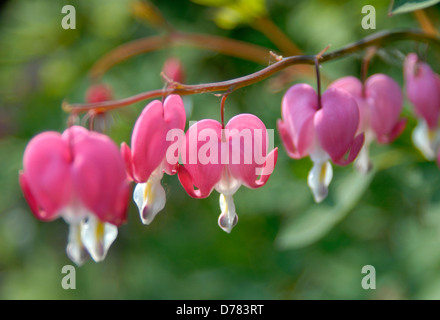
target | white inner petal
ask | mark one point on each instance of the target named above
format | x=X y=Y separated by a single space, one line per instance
x=426 y=140
x=97 y=237
x=317 y=154
x=228 y=217
x=363 y=163
x=227 y=185
x=320 y=175
x=74 y=213
x=150 y=197
x=75 y=247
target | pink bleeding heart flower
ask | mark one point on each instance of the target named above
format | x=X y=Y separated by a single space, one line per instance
x=324 y=134
x=80 y=176
x=225 y=159
x=380 y=104
x=423 y=91
x=174 y=71
x=146 y=161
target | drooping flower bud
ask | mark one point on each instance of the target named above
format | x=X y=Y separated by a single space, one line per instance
x=423 y=91
x=325 y=134
x=380 y=104
x=146 y=161
x=225 y=159
x=98 y=93
x=80 y=176
x=175 y=71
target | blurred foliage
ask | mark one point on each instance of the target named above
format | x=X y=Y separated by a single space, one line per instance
x=403 y=6
x=285 y=246
x=230 y=14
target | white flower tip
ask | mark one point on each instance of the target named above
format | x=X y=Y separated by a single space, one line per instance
x=76 y=254
x=320 y=193
x=364 y=168
x=426 y=140
x=226 y=223
x=97 y=237
x=148 y=214
x=75 y=248
x=228 y=218
x=319 y=179
x=150 y=199
x=363 y=164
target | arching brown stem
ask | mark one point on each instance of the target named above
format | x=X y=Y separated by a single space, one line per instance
x=378 y=40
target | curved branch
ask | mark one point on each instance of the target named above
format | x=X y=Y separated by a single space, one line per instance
x=378 y=40
x=231 y=47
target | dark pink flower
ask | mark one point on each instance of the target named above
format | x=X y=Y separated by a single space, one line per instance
x=326 y=133
x=146 y=161
x=423 y=91
x=380 y=104
x=226 y=159
x=80 y=176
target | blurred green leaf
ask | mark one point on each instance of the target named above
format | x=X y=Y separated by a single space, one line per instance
x=11 y=151
x=402 y=6
x=183 y=254
x=228 y=18
x=313 y=224
x=316 y=222
x=232 y=13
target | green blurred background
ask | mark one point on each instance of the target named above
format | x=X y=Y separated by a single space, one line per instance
x=285 y=246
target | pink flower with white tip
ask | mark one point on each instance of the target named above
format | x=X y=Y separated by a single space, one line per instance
x=225 y=159
x=423 y=91
x=80 y=176
x=380 y=103
x=326 y=132
x=146 y=161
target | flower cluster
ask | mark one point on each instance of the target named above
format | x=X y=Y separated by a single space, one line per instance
x=423 y=90
x=351 y=114
x=82 y=176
